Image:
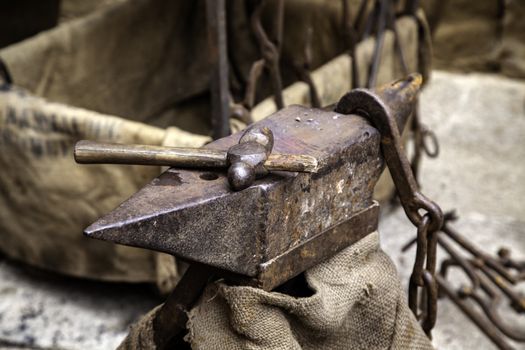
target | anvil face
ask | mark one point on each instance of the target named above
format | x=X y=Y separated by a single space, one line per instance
x=285 y=222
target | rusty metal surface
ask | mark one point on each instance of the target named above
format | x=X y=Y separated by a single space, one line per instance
x=219 y=87
x=424 y=140
x=281 y=225
x=248 y=157
x=194 y=215
x=362 y=101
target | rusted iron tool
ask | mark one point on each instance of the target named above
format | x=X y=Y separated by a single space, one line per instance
x=281 y=225
x=217 y=54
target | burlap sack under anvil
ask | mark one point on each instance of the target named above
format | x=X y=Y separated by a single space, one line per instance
x=142 y=60
x=356 y=303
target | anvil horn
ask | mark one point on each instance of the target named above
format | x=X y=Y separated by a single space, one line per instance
x=285 y=222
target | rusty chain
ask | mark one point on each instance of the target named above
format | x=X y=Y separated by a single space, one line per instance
x=270 y=50
x=423 y=286
x=491 y=281
x=270 y=45
x=302 y=69
x=423 y=276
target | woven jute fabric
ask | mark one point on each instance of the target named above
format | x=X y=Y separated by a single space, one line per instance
x=141 y=334
x=48 y=199
x=356 y=303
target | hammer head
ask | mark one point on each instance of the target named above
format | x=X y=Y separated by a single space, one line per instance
x=247 y=158
x=284 y=222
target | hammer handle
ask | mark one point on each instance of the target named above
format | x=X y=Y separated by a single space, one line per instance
x=91 y=152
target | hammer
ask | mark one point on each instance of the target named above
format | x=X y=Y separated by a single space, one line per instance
x=251 y=158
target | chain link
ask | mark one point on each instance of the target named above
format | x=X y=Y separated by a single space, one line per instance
x=423 y=276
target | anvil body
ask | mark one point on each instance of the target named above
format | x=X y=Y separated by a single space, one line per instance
x=285 y=222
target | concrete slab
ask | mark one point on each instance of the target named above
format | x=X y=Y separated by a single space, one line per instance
x=43 y=311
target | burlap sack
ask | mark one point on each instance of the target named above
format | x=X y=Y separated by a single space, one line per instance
x=139 y=58
x=47 y=198
x=356 y=303
x=71 y=9
x=127 y=59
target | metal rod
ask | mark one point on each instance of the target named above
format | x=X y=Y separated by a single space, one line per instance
x=91 y=152
x=220 y=99
x=379 y=41
x=489 y=261
x=489 y=331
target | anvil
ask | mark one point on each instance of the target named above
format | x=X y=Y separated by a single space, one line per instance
x=285 y=222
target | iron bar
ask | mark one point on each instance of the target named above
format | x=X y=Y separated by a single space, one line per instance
x=220 y=93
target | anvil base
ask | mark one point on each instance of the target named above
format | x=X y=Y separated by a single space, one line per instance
x=320 y=247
